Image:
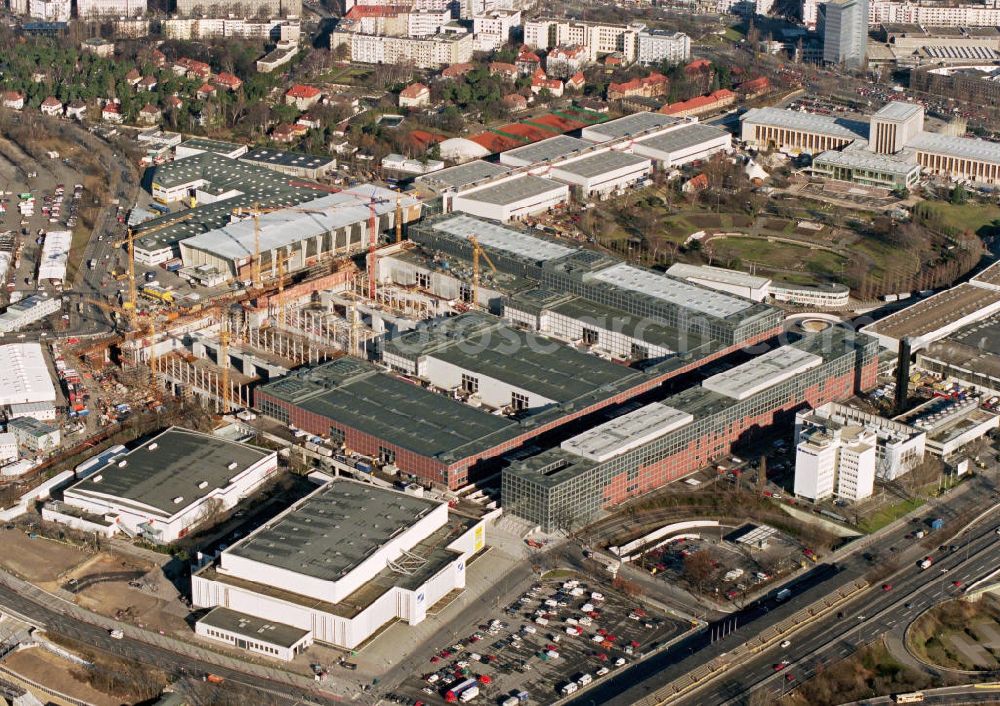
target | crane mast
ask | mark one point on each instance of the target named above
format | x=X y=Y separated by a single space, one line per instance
x=372 y=241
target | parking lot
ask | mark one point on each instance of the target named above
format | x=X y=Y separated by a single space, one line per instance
x=557 y=638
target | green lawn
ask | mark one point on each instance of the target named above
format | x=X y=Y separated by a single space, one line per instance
x=781 y=256
x=733 y=34
x=888 y=514
x=981 y=219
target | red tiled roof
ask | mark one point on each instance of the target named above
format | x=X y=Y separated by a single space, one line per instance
x=456 y=70
x=414 y=90
x=498 y=67
x=757 y=84
x=698 y=65
x=149 y=108
x=302 y=91
x=111 y=108
x=51 y=101
x=698 y=182
x=698 y=102
x=576 y=79
x=206 y=88
x=228 y=79
x=12 y=95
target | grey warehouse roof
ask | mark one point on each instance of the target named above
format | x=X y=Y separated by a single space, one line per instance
x=899 y=165
x=209 y=145
x=254 y=628
x=552 y=148
x=675 y=291
x=331 y=532
x=496 y=237
x=602 y=163
x=487 y=346
x=513 y=191
x=177 y=463
x=357 y=395
x=961 y=147
x=808 y=122
x=631 y=125
x=762 y=372
x=463 y=175
x=286 y=159
x=683 y=137
x=717 y=274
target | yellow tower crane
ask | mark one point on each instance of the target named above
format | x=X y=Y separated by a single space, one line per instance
x=131 y=305
x=147 y=329
x=477 y=251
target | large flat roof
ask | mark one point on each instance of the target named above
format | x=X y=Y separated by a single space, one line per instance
x=331 y=532
x=931 y=314
x=355 y=394
x=807 y=122
x=674 y=291
x=462 y=175
x=631 y=125
x=210 y=145
x=961 y=147
x=896 y=164
x=683 y=137
x=601 y=163
x=514 y=190
x=286 y=159
x=486 y=345
x=627 y=432
x=253 y=627
x=762 y=372
x=496 y=237
x=24 y=375
x=717 y=274
x=280 y=228
x=552 y=148
x=177 y=463
x=898 y=111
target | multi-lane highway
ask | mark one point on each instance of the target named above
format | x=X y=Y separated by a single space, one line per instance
x=829 y=639
x=892 y=547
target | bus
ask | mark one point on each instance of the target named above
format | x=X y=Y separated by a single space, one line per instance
x=914 y=697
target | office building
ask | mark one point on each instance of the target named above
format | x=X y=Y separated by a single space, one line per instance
x=659 y=45
x=644 y=450
x=845 y=32
x=251 y=8
x=834 y=461
x=599 y=39
x=50 y=10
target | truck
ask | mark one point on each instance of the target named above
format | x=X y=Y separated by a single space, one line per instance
x=91 y=263
x=213 y=678
x=926 y=563
x=937 y=523
x=116 y=634
x=456 y=690
x=783 y=595
x=469 y=694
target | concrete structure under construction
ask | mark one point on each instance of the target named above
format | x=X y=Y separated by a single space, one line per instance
x=336 y=568
x=334 y=225
x=168 y=485
x=644 y=450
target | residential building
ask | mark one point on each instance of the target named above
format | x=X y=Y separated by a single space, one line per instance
x=599 y=39
x=303 y=97
x=50 y=10
x=423 y=53
x=845 y=32
x=651 y=86
x=227 y=80
x=426 y=23
x=192 y=68
x=416 y=95
x=13 y=100
x=494 y=29
x=563 y=62
x=90 y=9
x=76 y=109
x=100 y=47
x=51 y=106
x=659 y=45
x=934 y=14
x=715 y=101
x=112 y=112
x=252 y=8
x=150 y=115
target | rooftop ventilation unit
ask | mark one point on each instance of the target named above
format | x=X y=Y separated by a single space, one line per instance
x=97 y=478
x=122 y=463
x=202 y=485
x=178 y=500
x=232 y=466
